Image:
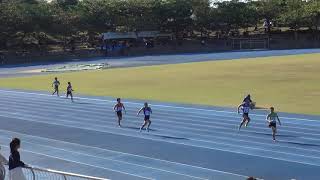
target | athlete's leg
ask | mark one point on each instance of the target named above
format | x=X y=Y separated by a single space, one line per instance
x=242 y=122
x=274 y=131
x=149 y=124
x=119 y=114
x=143 y=125
x=71 y=97
x=247 y=121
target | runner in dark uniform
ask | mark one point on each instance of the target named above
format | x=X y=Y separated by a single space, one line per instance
x=245 y=106
x=118 y=108
x=69 y=91
x=147 y=111
x=56 y=85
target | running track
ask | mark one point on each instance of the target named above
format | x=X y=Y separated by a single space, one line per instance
x=185 y=142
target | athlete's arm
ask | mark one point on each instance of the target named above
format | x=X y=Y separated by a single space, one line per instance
x=268 y=117
x=139 y=111
x=114 y=108
x=239 y=108
x=124 y=109
x=278 y=120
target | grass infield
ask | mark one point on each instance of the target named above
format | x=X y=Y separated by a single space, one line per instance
x=290 y=83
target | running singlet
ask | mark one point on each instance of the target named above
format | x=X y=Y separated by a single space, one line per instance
x=56 y=83
x=272 y=117
x=147 y=111
x=69 y=89
x=245 y=108
x=119 y=107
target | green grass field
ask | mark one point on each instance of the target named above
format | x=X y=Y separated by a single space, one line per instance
x=290 y=83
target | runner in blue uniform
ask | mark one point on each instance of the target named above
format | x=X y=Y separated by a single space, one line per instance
x=147 y=111
x=245 y=107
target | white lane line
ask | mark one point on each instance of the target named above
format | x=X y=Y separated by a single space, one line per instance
x=108 y=159
x=132 y=121
x=158 y=105
x=288 y=122
x=166 y=128
x=181 y=143
x=122 y=153
x=214 y=123
x=256 y=145
x=181 y=133
x=103 y=111
x=68 y=160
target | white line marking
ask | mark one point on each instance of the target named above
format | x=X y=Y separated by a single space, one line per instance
x=157 y=105
x=63 y=159
x=127 y=154
x=214 y=123
x=180 y=132
x=173 y=142
x=104 y=110
x=84 y=123
x=109 y=159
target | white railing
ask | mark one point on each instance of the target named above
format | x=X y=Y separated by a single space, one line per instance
x=34 y=173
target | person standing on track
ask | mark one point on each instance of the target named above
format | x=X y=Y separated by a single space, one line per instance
x=118 y=108
x=245 y=106
x=272 y=118
x=69 y=91
x=147 y=111
x=56 y=85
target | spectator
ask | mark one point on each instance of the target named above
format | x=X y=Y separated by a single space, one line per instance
x=3 y=161
x=15 y=164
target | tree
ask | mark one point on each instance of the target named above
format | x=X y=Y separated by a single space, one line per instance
x=235 y=14
x=312 y=14
x=202 y=15
x=66 y=3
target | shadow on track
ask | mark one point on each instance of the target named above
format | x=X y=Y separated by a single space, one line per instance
x=301 y=144
x=171 y=137
x=278 y=135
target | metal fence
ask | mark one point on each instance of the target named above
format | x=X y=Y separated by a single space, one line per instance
x=33 y=173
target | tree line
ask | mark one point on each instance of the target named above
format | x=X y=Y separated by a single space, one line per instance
x=65 y=18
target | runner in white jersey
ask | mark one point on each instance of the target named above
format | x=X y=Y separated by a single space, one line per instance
x=245 y=107
x=56 y=85
x=118 y=108
x=272 y=119
x=147 y=111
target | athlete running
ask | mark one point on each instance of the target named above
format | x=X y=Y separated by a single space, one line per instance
x=147 y=111
x=56 y=85
x=69 y=91
x=118 y=108
x=272 y=119
x=245 y=106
